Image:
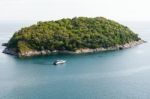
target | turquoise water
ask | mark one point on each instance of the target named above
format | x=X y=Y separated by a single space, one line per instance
x=123 y=74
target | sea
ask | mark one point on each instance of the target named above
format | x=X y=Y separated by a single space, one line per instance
x=121 y=74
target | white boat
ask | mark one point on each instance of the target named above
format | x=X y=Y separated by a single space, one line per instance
x=59 y=62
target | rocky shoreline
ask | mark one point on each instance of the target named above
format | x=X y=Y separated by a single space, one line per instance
x=79 y=51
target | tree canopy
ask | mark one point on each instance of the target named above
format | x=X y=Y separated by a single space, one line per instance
x=72 y=34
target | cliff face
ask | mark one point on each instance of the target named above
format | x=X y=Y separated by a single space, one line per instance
x=77 y=35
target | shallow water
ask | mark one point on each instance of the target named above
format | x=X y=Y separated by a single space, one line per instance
x=123 y=74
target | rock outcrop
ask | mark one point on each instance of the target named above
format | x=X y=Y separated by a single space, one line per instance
x=79 y=51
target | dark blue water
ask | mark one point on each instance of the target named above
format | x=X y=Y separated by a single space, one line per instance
x=121 y=74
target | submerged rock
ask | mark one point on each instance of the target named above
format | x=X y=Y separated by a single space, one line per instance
x=4 y=44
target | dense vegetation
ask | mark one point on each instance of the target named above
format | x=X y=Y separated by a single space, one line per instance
x=72 y=34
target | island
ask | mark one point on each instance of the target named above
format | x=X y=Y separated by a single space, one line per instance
x=76 y=35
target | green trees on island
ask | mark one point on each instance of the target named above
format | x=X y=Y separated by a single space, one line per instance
x=72 y=34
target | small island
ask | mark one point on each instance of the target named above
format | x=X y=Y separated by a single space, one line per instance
x=76 y=35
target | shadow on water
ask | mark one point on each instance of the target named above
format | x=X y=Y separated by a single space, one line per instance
x=56 y=56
